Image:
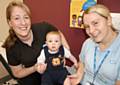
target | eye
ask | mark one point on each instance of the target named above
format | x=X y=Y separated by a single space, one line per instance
x=95 y=23
x=50 y=41
x=56 y=41
x=15 y=18
x=26 y=17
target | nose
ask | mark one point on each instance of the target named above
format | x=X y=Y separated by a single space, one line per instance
x=91 y=29
x=23 y=22
x=53 y=43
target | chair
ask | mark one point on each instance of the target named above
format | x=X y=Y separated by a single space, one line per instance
x=5 y=72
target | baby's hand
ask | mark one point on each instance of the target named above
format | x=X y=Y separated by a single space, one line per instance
x=41 y=67
x=73 y=76
x=76 y=65
x=74 y=79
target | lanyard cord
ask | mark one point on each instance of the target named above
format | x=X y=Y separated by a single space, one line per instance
x=94 y=65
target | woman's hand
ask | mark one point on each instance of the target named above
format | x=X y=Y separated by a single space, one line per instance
x=41 y=67
x=74 y=79
x=76 y=65
x=77 y=77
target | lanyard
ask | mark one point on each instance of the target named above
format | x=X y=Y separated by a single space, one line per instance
x=101 y=62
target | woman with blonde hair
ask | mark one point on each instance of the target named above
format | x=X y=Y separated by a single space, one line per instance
x=99 y=59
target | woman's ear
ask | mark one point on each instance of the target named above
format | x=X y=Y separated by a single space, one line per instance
x=9 y=22
x=109 y=21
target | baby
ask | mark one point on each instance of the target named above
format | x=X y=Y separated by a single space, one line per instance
x=53 y=57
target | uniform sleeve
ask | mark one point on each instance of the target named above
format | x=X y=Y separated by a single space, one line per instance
x=83 y=49
x=41 y=58
x=67 y=53
x=81 y=55
x=87 y=47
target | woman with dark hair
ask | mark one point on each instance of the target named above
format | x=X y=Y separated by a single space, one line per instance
x=24 y=43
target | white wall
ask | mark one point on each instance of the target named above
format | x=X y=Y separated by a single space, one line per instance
x=116 y=20
x=3 y=24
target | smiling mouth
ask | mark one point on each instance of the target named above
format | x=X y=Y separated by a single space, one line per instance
x=53 y=47
x=23 y=28
x=94 y=36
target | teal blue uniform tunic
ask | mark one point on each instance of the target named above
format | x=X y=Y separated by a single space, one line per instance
x=109 y=71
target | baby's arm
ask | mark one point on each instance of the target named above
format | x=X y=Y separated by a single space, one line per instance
x=41 y=66
x=41 y=58
x=70 y=57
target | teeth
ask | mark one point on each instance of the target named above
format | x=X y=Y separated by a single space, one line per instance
x=24 y=28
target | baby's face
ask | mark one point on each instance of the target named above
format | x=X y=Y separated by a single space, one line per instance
x=53 y=42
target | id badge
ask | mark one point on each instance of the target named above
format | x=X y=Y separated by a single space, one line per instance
x=89 y=83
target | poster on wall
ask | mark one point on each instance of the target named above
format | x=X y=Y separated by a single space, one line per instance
x=77 y=7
